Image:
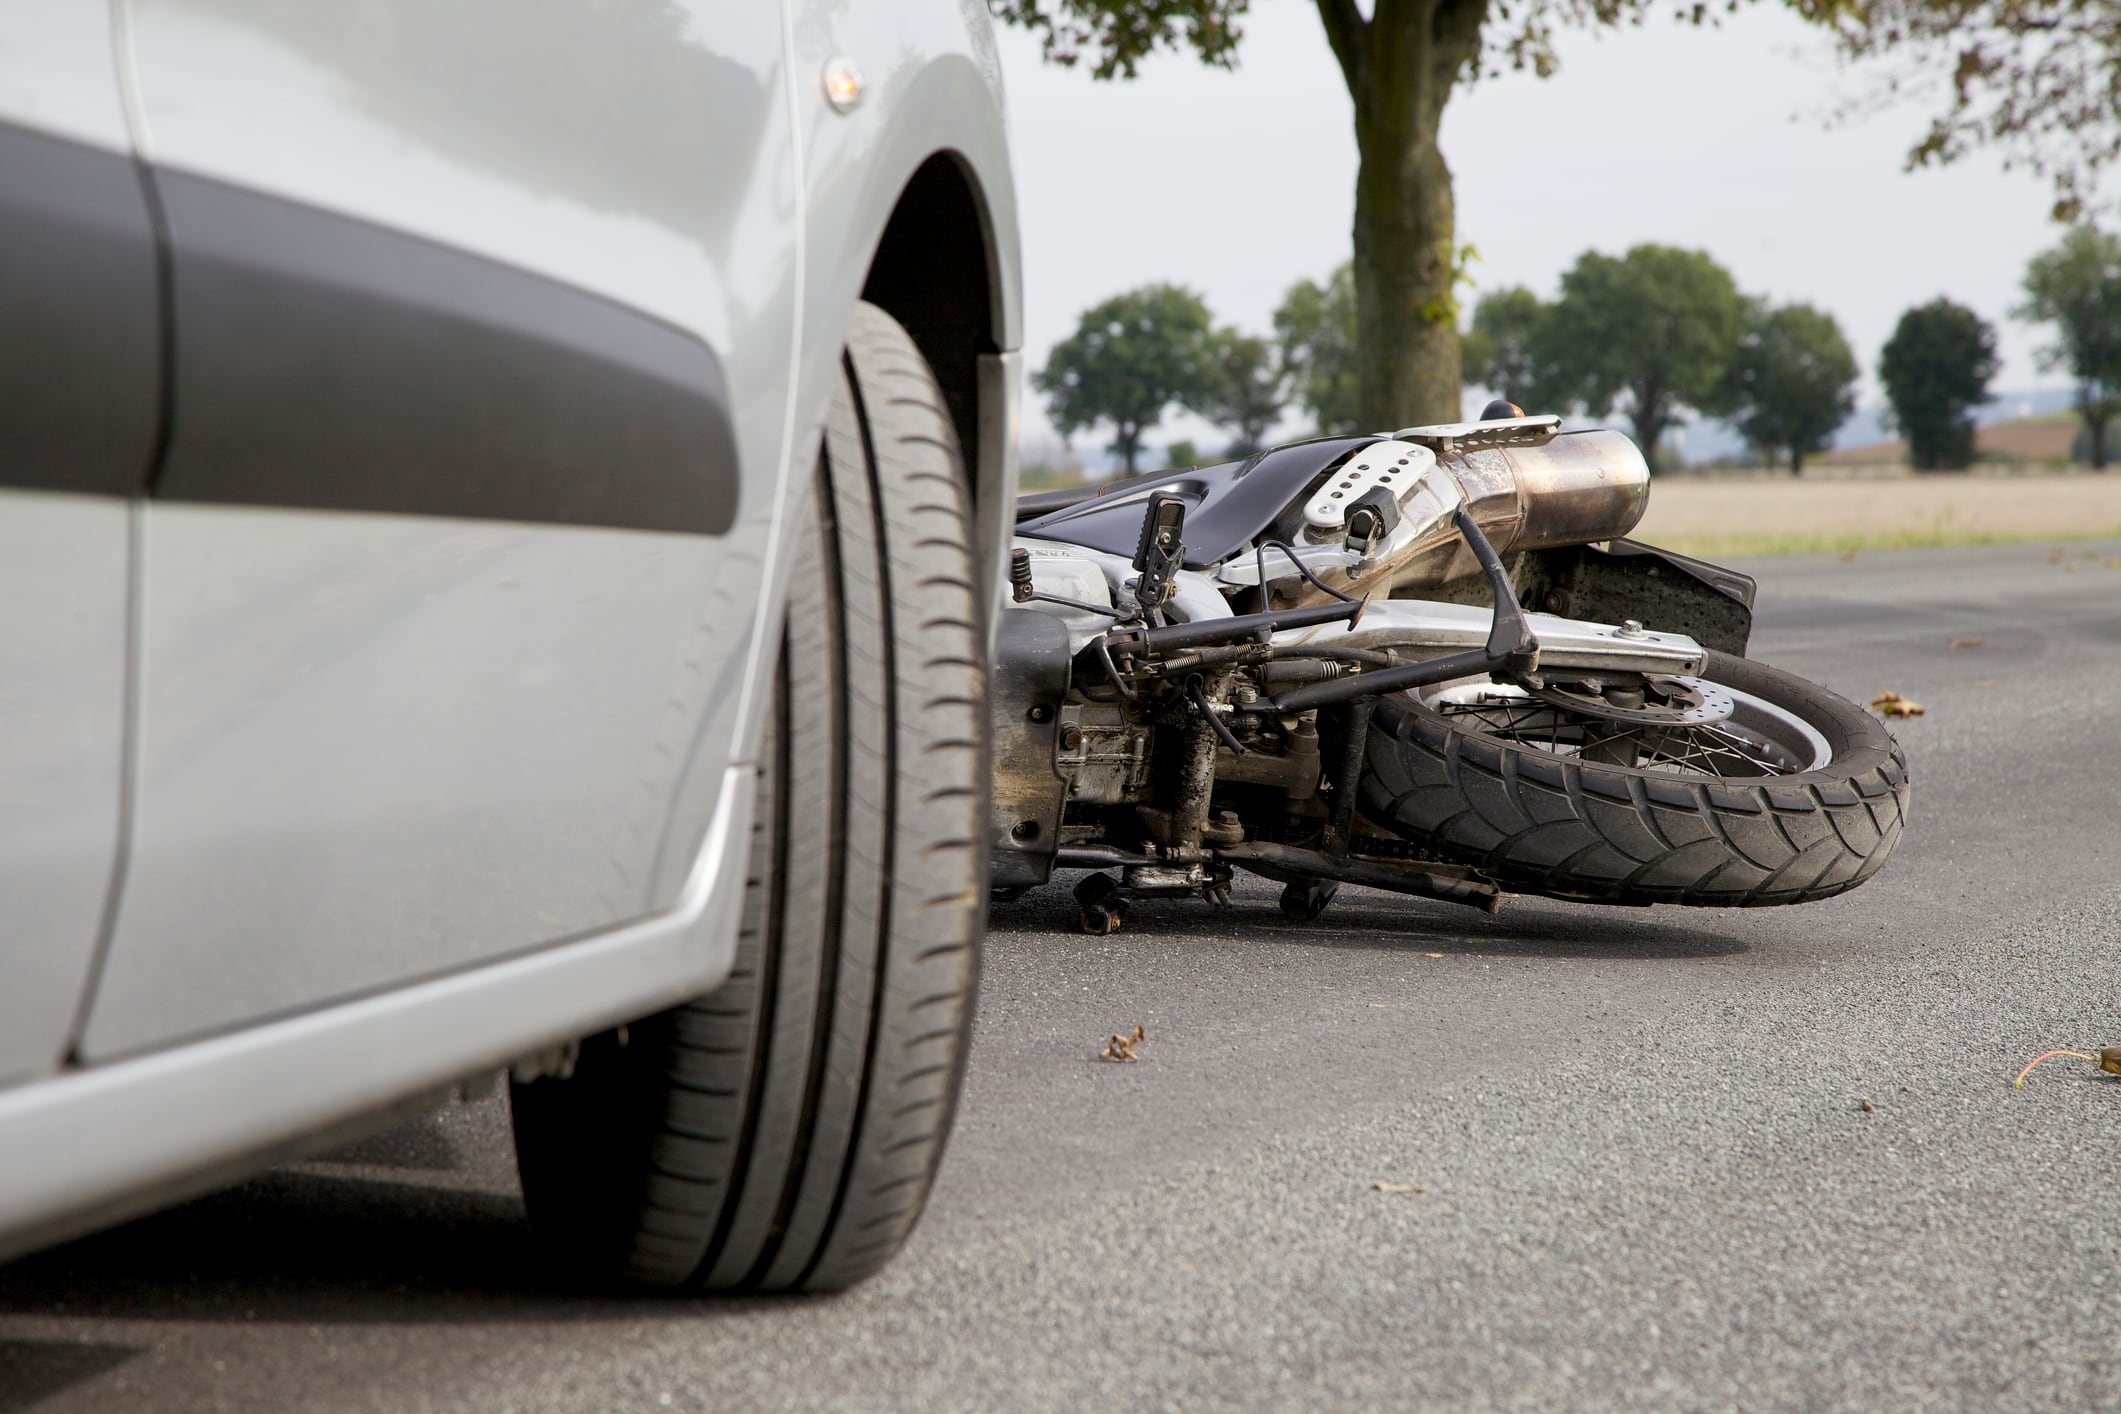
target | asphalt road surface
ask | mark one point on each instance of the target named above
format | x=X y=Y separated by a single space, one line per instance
x=1646 y=1171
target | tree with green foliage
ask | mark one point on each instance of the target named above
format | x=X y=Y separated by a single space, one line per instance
x=1181 y=455
x=1403 y=59
x=2077 y=288
x=1401 y=63
x=1316 y=327
x=1128 y=361
x=1792 y=381
x=1249 y=389
x=2039 y=80
x=1506 y=350
x=1646 y=334
x=1935 y=369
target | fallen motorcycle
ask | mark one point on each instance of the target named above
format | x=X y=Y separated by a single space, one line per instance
x=1428 y=662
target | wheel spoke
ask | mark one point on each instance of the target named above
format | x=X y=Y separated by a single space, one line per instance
x=1713 y=749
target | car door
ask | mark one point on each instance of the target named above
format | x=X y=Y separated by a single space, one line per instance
x=481 y=317
x=78 y=395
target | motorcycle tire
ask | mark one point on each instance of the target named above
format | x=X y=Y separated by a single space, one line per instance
x=781 y=1133
x=1541 y=821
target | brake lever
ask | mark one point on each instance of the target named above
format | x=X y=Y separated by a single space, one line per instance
x=1511 y=641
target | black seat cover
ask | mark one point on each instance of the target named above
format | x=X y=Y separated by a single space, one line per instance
x=1226 y=505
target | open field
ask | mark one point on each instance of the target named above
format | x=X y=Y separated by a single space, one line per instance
x=1718 y=517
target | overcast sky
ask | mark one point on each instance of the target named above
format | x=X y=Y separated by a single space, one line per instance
x=1239 y=183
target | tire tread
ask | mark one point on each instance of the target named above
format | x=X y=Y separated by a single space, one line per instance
x=1544 y=824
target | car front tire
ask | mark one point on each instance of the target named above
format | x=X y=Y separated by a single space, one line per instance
x=782 y=1133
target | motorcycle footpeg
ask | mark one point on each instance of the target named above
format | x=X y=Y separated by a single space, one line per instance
x=1103 y=902
x=1304 y=899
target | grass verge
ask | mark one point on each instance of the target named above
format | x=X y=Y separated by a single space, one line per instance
x=1738 y=546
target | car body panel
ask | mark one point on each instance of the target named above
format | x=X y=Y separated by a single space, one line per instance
x=931 y=80
x=101 y=1143
x=373 y=748
x=415 y=281
x=79 y=398
x=319 y=655
x=636 y=150
x=59 y=72
x=926 y=95
x=62 y=702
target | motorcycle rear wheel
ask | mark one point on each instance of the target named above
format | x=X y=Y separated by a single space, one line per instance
x=1797 y=795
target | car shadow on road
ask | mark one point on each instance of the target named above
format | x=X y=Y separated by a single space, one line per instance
x=35 y=1370
x=308 y=1248
x=293 y=1248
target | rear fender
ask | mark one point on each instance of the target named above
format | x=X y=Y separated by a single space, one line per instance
x=1661 y=590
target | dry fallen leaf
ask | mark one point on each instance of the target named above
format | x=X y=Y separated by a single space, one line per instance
x=2113 y=562
x=2108 y=1060
x=1967 y=642
x=1865 y=1105
x=1848 y=556
x=1385 y=1186
x=1892 y=704
x=1121 y=1048
x=1432 y=954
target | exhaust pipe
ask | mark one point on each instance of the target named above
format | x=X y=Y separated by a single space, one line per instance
x=1527 y=484
x=1567 y=489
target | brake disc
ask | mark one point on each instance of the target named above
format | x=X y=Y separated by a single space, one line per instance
x=1664 y=701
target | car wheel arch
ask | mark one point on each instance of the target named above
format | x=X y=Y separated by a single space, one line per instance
x=936 y=270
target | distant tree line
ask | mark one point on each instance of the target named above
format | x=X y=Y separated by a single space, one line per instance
x=1659 y=331
x=1657 y=336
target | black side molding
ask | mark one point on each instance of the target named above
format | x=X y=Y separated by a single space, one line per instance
x=326 y=363
x=80 y=355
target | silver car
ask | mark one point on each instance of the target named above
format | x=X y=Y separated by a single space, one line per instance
x=499 y=510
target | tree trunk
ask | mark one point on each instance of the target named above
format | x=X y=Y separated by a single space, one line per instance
x=1127 y=442
x=1796 y=459
x=1400 y=68
x=2095 y=427
x=1651 y=415
x=1649 y=436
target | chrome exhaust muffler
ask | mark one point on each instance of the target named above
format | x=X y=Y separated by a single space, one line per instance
x=1527 y=484
x=1569 y=488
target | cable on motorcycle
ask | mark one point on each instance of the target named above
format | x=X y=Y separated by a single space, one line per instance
x=1201 y=704
x=1260 y=563
x=1511 y=648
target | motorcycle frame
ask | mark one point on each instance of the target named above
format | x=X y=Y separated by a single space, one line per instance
x=1049 y=639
